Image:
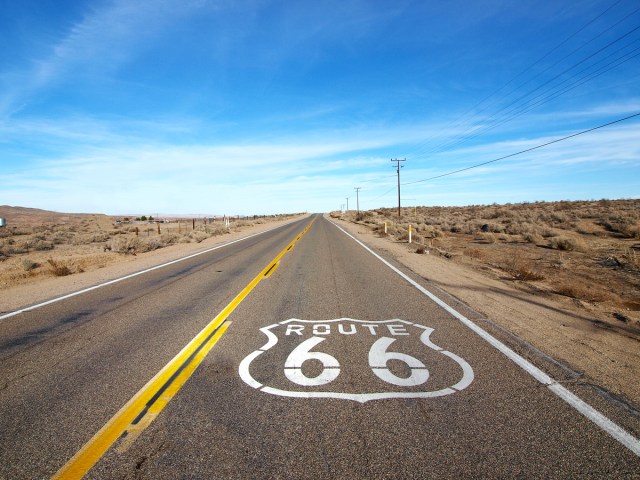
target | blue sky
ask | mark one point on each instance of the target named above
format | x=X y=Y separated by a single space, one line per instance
x=252 y=107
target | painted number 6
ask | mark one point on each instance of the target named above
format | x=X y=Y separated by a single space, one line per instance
x=378 y=358
x=302 y=353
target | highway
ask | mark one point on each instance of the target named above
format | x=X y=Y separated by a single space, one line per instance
x=297 y=353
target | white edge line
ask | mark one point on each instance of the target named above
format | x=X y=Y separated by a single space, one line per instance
x=126 y=277
x=617 y=432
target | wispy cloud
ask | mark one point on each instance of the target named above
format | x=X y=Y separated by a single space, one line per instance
x=103 y=41
x=207 y=178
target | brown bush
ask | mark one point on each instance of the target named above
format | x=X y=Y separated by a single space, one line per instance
x=58 y=269
x=125 y=245
x=568 y=244
x=533 y=238
x=488 y=237
x=521 y=267
x=583 y=292
x=29 y=265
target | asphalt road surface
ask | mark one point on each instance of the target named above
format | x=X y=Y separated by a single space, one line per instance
x=314 y=358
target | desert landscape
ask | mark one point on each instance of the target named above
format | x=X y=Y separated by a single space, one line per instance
x=37 y=244
x=585 y=251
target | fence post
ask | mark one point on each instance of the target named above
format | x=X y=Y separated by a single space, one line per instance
x=385 y=227
x=410 y=233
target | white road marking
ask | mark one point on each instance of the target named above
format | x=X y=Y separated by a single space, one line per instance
x=377 y=359
x=617 y=432
x=126 y=277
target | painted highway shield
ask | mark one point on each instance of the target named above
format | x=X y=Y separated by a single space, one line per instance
x=352 y=359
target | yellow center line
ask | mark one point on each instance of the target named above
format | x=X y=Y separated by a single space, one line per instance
x=145 y=405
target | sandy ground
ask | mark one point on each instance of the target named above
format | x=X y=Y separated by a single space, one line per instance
x=608 y=358
x=14 y=298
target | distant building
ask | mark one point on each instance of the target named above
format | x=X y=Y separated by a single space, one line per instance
x=3 y=222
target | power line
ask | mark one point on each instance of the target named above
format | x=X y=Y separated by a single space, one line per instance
x=478 y=104
x=550 y=95
x=526 y=150
x=498 y=117
x=495 y=119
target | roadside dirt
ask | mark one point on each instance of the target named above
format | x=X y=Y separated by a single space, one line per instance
x=585 y=338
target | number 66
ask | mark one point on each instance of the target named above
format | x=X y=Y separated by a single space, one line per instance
x=378 y=358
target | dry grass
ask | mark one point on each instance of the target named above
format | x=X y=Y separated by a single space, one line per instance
x=521 y=267
x=38 y=244
x=582 y=250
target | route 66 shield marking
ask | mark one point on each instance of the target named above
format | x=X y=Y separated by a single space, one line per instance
x=352 y=359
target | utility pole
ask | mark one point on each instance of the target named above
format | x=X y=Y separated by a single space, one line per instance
x=347 y=204
x=398 y=166
x=357 y=189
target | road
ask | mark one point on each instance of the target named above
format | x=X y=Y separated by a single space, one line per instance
x=314 y=358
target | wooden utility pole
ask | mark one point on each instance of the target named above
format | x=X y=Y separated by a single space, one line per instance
x=398 y=166
x=357 y=189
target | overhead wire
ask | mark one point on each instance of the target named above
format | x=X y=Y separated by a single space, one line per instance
x=496 y=117
x=551 y=94
x=525 y=151
x=513 y=79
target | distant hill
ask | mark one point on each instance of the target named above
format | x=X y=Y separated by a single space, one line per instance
x=17 y=216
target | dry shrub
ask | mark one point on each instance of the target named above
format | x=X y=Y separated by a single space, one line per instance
x=488 y=237
x=587 y=228
x=521 y=267
x=493 y=227
x=29 y=265
x=590 y=293
x=58 y=269
x=634 y=231
x=217 y=229
x=568 y=244
x=169 y=238
x=126 y=245
x=625 y=225
x=198 y=236
x=153 y=244
x=39 y=245
x=533 y=237
x=60 y=238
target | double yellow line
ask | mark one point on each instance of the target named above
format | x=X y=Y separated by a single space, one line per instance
x=145 y=405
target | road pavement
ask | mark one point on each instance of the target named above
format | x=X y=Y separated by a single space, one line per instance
x=329 y=365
